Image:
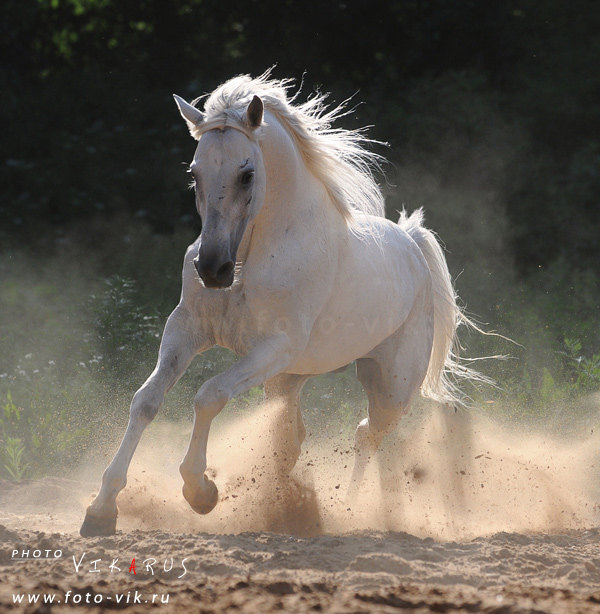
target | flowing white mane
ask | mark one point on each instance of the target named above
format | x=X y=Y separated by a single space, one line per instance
x=335 y=156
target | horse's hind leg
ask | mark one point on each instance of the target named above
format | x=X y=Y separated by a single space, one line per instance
x=176 y=351
x=391 y=375
x=382 y=418
x=287 y=431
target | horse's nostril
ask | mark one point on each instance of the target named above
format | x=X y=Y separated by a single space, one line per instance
x=225 y=270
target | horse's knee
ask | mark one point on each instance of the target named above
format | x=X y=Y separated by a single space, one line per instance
x=144 y=406
x=209 y=401
x=143 y=411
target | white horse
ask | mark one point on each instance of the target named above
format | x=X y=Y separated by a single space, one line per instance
x=297 y=271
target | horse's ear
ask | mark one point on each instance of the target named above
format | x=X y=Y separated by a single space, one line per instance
x=193 y=116
x=254 y=112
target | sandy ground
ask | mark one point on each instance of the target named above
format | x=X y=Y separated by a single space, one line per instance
x=361 y=572
x=470 y=518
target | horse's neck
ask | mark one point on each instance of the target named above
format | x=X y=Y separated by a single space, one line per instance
x=294 y=200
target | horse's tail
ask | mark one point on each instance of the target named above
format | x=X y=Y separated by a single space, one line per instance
x=444 y=371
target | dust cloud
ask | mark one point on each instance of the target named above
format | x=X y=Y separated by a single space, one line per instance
x=445 y=475
x=466 y=515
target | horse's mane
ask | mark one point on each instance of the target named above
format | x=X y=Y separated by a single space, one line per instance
x=335 y=156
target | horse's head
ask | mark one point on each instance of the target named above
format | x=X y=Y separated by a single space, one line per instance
x=229 y=181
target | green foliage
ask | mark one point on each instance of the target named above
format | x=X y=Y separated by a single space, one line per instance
x=41 y=435
x=124 y=329
x=12 y=447
x=14 y=464
x=77 y=352
x=584 y=371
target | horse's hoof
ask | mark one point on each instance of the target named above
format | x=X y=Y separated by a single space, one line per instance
x=202 y=500
x=97 y=525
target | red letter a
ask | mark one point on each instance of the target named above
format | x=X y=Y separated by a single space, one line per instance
x=132 y=567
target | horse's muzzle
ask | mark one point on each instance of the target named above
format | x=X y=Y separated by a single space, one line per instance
x=215 y=274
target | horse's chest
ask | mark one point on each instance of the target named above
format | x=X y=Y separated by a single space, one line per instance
x=230 y=321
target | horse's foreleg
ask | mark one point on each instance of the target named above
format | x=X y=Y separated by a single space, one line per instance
x=287 y=430
x=178 y=346
x=263 y=362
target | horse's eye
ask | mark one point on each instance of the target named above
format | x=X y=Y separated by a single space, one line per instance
x=247 y=178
